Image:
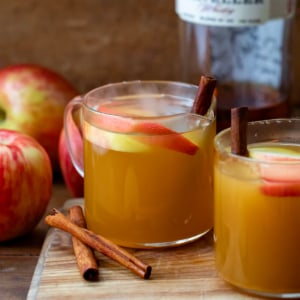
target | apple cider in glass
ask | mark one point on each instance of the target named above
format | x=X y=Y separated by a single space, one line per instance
x=148 y=168
x=257 y=209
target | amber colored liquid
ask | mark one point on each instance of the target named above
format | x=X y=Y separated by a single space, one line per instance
x=263 y=102
x=257 y=236
x=149 y=197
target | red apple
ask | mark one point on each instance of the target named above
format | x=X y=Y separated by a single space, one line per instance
x=25 y=183
x=32 y=100
x=73 y=180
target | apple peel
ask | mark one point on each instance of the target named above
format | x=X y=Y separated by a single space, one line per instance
x=159 y=135
x=280 y=189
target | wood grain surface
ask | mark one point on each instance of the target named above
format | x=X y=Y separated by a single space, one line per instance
x=185 y=272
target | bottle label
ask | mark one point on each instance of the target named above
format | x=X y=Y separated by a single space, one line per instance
x=248 y=54
x=233 y=12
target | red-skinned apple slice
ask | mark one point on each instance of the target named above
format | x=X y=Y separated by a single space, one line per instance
x=117 y=141
x=164 y=137
x=281 y=189
x=154 y=133
x=281 y=177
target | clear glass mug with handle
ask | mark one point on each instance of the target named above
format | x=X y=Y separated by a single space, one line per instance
x=146 y=161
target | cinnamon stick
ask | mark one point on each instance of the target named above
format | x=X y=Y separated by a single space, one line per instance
x=85 y=257
x=239 y=122
x=99 y=243
x=204 y=95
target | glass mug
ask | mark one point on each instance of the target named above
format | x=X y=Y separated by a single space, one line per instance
x=257 y=209
x=147 y=162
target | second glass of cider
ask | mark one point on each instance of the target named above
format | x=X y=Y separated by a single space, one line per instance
x=257 y=209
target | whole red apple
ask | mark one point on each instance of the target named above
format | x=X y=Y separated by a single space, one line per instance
x=32 y=100
x=73 y=180
x=25 y=183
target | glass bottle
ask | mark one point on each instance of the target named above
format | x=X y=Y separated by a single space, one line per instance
x=245 y=44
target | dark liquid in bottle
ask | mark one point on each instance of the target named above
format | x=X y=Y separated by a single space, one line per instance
x=263 y=102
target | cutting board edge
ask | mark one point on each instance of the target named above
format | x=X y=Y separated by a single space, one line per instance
x=34 y=285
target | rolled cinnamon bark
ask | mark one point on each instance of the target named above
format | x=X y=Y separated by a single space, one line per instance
x=86 y=261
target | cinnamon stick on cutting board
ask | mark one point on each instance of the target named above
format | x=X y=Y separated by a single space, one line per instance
x=86 y=261
x=99 y=243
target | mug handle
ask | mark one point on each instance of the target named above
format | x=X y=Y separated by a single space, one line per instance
x=73 y=131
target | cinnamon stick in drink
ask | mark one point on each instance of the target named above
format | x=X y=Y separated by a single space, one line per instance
x=99 y=243
x=85 y=257
x=204 y=95
x=239 y=123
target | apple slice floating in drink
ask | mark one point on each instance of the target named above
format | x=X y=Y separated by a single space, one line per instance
x=281 y=178
x=159 y=135
x=281 y=189
x=113 y=140
x=129 y=135
x=275 y=153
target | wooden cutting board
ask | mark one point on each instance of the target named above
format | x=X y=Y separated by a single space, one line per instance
x=185 y=272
